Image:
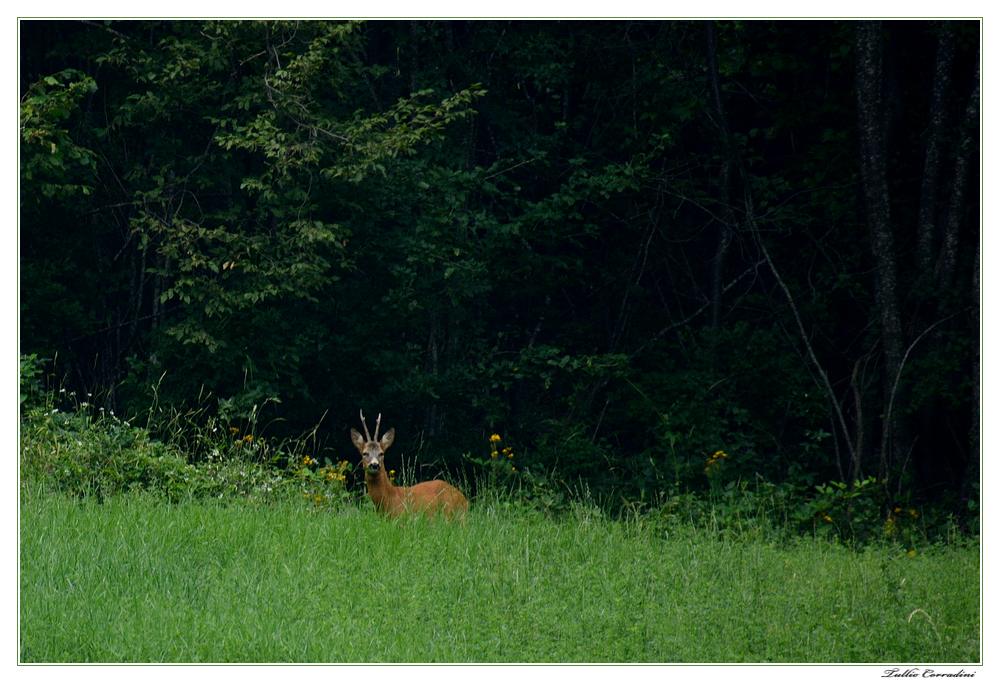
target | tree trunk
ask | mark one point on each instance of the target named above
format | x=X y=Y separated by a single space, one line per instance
x=431 y=413
x=725 y=235
x=871 y=128
x=972 y=472
x=945 y=269
x=927 y=220
x=414 y=54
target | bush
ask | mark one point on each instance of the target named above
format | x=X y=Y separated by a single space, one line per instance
x=74 y=453
x=86 y=453
x=30 y=382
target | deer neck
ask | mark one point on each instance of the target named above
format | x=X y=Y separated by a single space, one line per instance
x=380 y=489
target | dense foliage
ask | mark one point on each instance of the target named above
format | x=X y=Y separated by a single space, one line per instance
x=656 y=257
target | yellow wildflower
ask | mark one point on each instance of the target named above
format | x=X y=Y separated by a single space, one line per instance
x=714 y=460
x=494 y=438
x=248 y=438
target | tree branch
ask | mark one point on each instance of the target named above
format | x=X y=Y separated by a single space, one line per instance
x=831 y=394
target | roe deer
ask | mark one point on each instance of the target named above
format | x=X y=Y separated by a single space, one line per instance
x=428 y=496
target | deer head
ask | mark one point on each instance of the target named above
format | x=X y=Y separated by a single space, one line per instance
x=372 y=449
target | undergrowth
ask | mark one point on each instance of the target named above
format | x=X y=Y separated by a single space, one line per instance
x=74 y=447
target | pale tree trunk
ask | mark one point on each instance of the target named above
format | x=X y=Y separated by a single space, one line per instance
x=871 y=129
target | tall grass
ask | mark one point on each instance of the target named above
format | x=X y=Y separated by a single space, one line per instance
x=138 y=579
x=204 y=541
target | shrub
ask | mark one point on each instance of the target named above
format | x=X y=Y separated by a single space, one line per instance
x=84 y=452
x=75 y=453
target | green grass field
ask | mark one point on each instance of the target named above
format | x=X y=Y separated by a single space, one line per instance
x=137 y=580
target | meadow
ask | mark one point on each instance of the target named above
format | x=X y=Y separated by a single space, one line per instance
x=136 y=578
x=689 y=310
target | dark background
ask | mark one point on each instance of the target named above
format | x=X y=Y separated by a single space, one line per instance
x=622 y=245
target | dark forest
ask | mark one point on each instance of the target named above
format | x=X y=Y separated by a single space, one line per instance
x=657 y=257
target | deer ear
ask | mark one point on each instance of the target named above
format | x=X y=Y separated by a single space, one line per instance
x=357 y=440
x=387 y=439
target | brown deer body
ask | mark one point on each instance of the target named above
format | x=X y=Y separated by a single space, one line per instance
x=427 y=497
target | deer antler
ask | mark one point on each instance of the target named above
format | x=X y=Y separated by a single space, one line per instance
x=364 y=423
x=378 y=421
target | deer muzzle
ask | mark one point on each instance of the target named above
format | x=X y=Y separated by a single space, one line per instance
x=371 y=463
